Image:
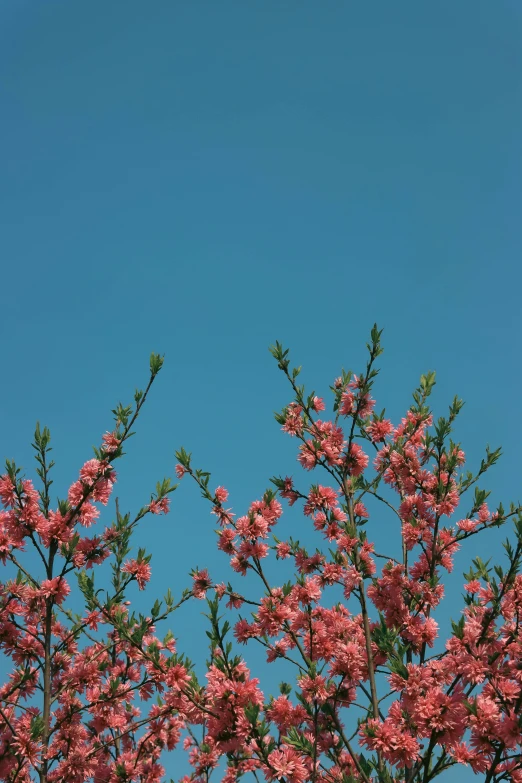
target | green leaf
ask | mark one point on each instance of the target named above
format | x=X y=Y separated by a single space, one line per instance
x=156 y=363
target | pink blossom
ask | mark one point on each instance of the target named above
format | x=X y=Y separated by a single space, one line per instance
x=293 y=423
x=286 y=763
x=318 y=404
x=161 y=506
x=56 y=588
x=356 y=460
x=288 y=492
x=221 y=495
x=283 y=550
x=7 y=491
x=91 y=471
x=202 y=583
x=346 y=406
x=378 y=430
x=365 y=406
x=141 y=571
x=110 y=442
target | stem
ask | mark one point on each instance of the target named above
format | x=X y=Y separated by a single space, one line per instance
x=47 y=668
x=364 y=612
x=350 y=749
x=366 y=620
x=47 y=685
x=117 y=585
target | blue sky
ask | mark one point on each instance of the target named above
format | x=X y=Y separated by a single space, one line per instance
x=201 y=179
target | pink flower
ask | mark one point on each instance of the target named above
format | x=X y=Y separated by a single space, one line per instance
x=284 y=714
x=378 y=430
x=177 y=676
x=293 y=423
x=220 y=589
x=308 y=455
x=88 y=514
x=180 y=471
x=160 y=506
x=56 y=588
x=357 y=460
x=102 y=489
x=287 y=764
x=314 y=688
x=321 y=497
x=75 y=494
x=467 y=525
x=346 y=407
x=365 y=406
x=110 y=442
x=92 y=619
x=391 y=737
x=202 y=583
x=221 y=494
x=288 y=492
x=483 y=514
x=7 y=491
x=283 y=550
x=318 y=404
x=243 y=631
x=92 y=470
x=140 y=571
x=235 y=601
x=226 y=541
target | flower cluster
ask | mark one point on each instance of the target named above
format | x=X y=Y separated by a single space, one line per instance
x=375 y=694
x=425 y=711
x=74 y=706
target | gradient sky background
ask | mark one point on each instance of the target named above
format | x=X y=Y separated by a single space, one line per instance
x=203 y=178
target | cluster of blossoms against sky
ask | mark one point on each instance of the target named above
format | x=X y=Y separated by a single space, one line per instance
x=370 y=699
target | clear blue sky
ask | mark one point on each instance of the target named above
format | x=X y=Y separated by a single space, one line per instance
x=203 y=178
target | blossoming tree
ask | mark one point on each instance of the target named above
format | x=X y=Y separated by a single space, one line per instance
x=418 y=714
x=371 y=698
x=68 y=710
